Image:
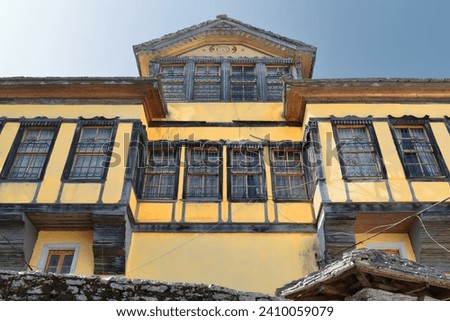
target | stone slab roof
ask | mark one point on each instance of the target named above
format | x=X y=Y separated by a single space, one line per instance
x=367 y=268
x=221 y=19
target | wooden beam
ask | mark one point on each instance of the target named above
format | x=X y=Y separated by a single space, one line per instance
x=328 y=290
x=362 y=279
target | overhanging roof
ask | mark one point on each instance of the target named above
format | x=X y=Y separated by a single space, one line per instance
x=79 y=89
x=299 y=93
x=366 y=268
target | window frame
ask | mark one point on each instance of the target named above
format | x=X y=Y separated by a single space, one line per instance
x=73 y=149
x=395 y=246
x=13 y=152
x=376 y=150
x=49 y=247
x=268 y=84
x=243 y=82
x=169 y=81
x=410 y=122
x=160 y=145
x=225 y=70
x=305 y=177
x=204 y=146
x=197 y=83
x=254 y=147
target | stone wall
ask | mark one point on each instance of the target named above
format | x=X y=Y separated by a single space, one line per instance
x=27 y=286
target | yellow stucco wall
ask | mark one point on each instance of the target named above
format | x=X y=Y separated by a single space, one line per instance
x=116 y=172
x=7 y=136
x=17 y=192
x=85 y=261
x=386 y=239
x=252 y=262
x=225 y=112
x=80 y=193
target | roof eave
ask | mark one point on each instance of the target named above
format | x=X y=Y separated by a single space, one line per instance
x=299 y=93
x=146 y=90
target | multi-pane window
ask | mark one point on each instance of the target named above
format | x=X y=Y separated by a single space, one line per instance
x=207 y=82
x=417 y=152
x=29 y=158
x=288 y=177
x=161 y=173
x=246 y=174
x=173 y=82
x=243 y=83
x=202 y=173
x=274 y=83
x=358 y=152
x=59 y=261
x=92 y=153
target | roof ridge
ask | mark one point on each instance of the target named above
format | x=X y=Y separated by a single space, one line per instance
x=222 y=17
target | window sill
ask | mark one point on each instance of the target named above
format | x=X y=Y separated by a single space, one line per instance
x=81 y=180
x=248 y=200
x=28 y=180
x=364 y=179
x=291 y=200
x=428 y=179
x=202 y=200
x=157 y=200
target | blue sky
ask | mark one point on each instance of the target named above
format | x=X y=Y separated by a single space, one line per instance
x=355 y=38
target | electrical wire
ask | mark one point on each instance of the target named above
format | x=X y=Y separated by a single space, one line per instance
x=431 y=238
x=393 y=225
x=17 y=251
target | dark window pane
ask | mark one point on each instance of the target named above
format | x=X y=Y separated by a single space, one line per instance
x=160 y=173
x=32 y=153
x=246 y=174
x=203 y=166
x=91 y=153
x=173 y=82
x=289 y=179
x=357 y=152
x=416 y=152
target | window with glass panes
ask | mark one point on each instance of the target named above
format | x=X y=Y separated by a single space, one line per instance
x=59 y=261
x=161 y=173
x=288 y=178
x=358 y=154
x=207 y=82
x=417 y=152
x=92 y=153
x=273 y=81
x=203 y=172
x=31 y=154
x=173 y=82
x=243 y=83
x=246 y=174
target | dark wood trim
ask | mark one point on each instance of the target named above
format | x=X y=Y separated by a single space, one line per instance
x=222 y=227
x=246 y=145
x=414 y=121
x=203 y=144
x=234 y=123
x=367 y=123
x=26 y=123
x=288 y=145
x=99 y=122
x=159 y=145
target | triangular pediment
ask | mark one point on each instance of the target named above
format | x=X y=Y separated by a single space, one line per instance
x=224 y=37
